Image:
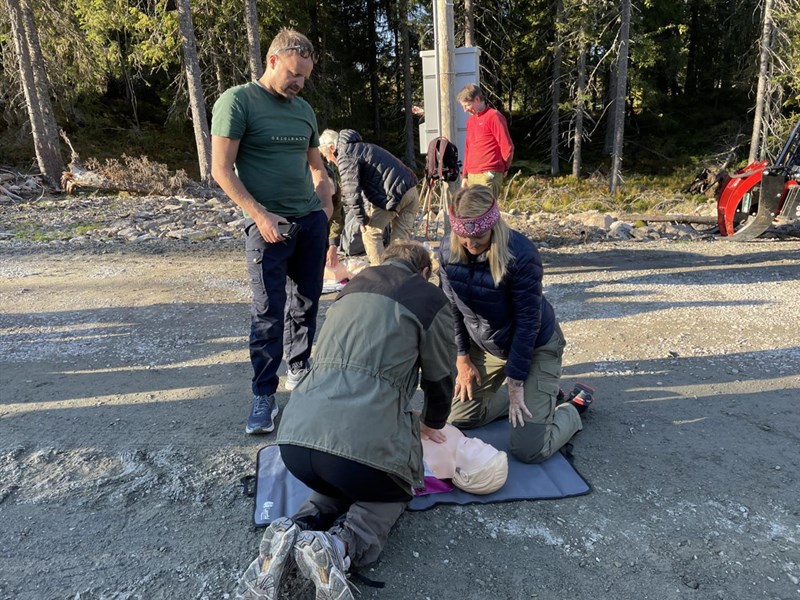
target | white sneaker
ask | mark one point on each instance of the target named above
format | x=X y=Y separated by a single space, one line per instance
x=293 y=378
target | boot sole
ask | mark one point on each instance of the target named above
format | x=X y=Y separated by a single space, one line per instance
x=314 y=563
x=267 y=581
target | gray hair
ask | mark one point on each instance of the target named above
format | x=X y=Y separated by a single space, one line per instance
x=329 y=137
x=286 y=38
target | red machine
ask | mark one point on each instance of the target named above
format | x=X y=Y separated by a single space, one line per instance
x=751 y=199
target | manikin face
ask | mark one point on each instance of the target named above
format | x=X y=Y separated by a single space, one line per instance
x=472 y=454
x=287 y=73
x=476 y=245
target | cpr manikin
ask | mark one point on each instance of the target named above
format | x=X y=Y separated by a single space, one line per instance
x=473 y=465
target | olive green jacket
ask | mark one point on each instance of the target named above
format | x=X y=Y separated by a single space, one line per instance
x=385 y=329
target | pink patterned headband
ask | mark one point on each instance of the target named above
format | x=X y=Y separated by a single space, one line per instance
x=475 y=226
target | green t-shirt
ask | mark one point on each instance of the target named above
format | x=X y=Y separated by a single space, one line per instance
x=275 y=135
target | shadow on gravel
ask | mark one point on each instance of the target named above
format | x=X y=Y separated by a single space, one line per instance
x=98 y=352
x=636 y=377
x=618 y=259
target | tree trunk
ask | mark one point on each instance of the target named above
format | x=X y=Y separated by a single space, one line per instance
x=195 y=89
x=372 y=37
x=219 y=75
x=619 y=101
x=691 y=59
x=36 y=90
x=580 y=104
x=254 y=58
x=555 y=91
x=130 y=91
x=469 y=24
x=761 y=93
x=40 y=78
x=610 y=109
x=410 y=153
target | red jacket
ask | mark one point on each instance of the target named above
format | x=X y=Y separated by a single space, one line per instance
x=488 y=146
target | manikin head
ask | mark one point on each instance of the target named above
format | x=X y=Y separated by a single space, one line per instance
x=480 y=468
x=473 y=465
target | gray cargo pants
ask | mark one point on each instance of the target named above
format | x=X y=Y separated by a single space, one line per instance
x=365 y=527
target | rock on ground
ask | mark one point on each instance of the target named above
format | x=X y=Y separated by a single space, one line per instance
x=124 y=386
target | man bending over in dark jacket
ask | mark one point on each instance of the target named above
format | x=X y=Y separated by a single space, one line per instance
x=349 y=431
x=379 y=188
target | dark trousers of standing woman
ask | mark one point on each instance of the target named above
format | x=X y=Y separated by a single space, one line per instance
x=356 y=502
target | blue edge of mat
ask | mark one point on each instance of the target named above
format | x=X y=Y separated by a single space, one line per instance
x=278 y=493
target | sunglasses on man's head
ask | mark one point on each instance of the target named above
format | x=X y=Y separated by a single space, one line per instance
x=303 y=51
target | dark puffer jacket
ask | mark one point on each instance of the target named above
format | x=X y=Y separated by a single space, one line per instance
x=370 y=173
x=507 y=321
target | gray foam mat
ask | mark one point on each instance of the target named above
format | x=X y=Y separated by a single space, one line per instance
x=552 y=479
x=279 y=494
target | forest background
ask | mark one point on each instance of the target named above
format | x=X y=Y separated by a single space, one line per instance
x=704 y=82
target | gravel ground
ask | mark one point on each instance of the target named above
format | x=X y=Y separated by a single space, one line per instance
x=124 y=388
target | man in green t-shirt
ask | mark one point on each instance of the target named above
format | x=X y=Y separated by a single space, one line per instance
x=265 y=157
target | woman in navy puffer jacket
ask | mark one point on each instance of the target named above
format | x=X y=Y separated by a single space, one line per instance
x=506 y=330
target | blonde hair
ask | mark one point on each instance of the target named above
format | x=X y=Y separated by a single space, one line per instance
x=473 y=201
x=485 y=480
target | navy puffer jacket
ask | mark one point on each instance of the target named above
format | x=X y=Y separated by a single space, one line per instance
x=507 y=321
x=369 y=172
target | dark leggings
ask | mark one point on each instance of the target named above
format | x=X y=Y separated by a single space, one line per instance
x=341 y=478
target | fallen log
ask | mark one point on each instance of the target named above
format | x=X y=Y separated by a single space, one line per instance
x=4 y=191
x=697 y=219
x=137 y=175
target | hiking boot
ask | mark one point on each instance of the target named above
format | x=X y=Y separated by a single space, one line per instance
x=320 y=559
x=294 y=375
x=262 y=579
x=262 y=414
x=581 y=397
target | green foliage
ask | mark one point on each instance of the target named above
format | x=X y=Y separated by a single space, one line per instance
x=115 y=70
x=641 y=193
x=29 y=231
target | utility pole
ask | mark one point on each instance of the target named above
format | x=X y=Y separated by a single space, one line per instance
x=444 y=41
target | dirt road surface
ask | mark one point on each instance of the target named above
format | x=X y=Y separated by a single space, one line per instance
x=124 y=387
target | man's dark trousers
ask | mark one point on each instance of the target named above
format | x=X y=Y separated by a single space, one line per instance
x=286 y=282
